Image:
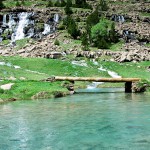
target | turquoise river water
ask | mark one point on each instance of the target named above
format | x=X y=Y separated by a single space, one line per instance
x=110 y=120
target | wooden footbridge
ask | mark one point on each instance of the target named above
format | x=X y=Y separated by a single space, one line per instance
x=128 y=81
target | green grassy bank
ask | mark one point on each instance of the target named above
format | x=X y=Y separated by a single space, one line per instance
x=27 y=73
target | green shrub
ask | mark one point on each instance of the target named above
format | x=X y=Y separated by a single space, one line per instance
x=57 y=4
x=68 y=10
x=69 y=3
x=63 y=3
x=82 y=4
x=85 y=43
x=1 y=91
x=50 y=3
x=61 y=27
x=103 y=34
x=1 y=4
x=93 y=18
x=56 y=42
x=73 y=29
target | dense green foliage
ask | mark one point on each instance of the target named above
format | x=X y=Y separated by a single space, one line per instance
x=57 y=42
x=82 y=4
x=93 y=18
x=33 y=89
x=67 y=8
x=85 y=41
x=103 y=34
x=72 y=27
x=50 y=4
x=1 y=4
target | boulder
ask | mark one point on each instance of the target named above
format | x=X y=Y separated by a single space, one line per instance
x=7 y=86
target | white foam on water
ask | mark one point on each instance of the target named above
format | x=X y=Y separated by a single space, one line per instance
x=80 y=63
x=47 y=29
x=111 y=73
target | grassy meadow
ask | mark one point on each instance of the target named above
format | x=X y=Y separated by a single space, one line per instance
x=27 y=73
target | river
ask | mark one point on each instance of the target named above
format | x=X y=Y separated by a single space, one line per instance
x=110 y=119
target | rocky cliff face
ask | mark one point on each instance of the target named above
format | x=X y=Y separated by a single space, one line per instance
x=132 y=24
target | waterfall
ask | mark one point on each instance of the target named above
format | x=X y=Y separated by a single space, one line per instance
x=118 y=18
x=23 y=21
x=111 y=73
x=47 y=29
x=20 y=25
x=11 y=22
x=4 y=19
x=1 y=39
x=121 y=19
x=30 y=32
x=56 y=18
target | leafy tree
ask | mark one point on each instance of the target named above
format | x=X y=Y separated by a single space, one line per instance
x=1 y=4
x=69 y=3
x=67 y=9
x=56 y=42
x=103 y=34
x=50 y=3
x=85 y=41
x=93 y=18
x=67 y=20
x=63 y=3
x=17 y=3
x=113 y=34
x=102 y=43
x=71 y=26
x=73 y=30
x=57 y=4
x=82 y=4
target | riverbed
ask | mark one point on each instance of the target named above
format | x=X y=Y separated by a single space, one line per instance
x=105 y=119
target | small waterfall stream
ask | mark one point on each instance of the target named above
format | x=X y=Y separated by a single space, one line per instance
x=4 y=19
x=111 y=73
x=23 y=22
x=118 y=18
x=17 y=26
x=47 y=29
x=56 y=18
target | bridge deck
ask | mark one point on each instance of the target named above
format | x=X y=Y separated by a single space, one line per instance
x=96 y=79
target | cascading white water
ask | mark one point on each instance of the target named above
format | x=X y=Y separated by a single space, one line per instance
x=20 y=25
x=11 y=22
x=1 y=39
x=47 y=29
x=56 y=18
x=30 y=32
x=23 y=21
x=121 y=19
x=111 y=73
x=4 y=19
x=94 y=85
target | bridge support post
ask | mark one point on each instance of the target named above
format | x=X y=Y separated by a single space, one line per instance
x=128 y=87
